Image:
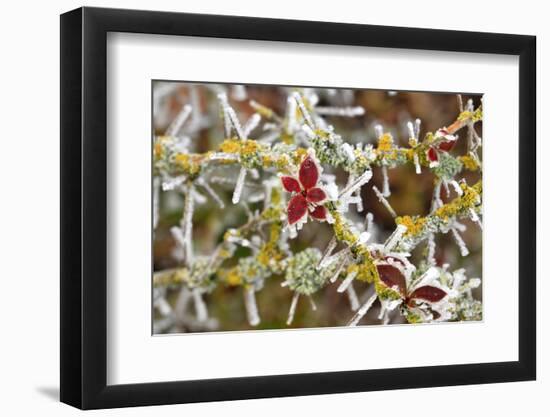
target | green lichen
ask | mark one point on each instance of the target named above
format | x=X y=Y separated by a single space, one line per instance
x=301 y=274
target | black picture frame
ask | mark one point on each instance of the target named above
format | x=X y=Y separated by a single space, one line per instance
x=84 y=207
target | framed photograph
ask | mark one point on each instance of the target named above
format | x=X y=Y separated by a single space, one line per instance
x=259 y=208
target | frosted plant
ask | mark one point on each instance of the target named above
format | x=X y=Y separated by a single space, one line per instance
x=285 y=170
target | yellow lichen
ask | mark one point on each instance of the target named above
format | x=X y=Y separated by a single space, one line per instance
x=249 y=147
x=470 y=198
x=386 y=293
x=275 y=196
x=232 y=277
x=469 y=162
x=231 y=146
x=342 y=229
x=415 y=225
x=287 y=138
x=465 y=115
x=299 y=155
x=189 y=163
x=474 y=116
x=366 y=270
x=158 y=150
x=269 y=252
x=385 y=143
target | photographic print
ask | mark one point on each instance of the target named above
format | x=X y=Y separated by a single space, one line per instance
x=280 y=207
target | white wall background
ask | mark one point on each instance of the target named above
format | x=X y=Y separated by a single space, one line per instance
x=29 y=207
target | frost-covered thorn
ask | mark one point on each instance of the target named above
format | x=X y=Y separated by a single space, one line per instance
x=251 y=124
x=461 y=245
x=385 y=182
x=292 y=309
x=386 y=318
x=459 y=226
x=200 y=306
x=346 y=282
x=459 y=101
x=199 y=198
x=195 y=121
x=230 y=118
x=436 y=199
x=378 y=131
x=187 y=223
x=309 y=133
x=312 y=303
x=178 y=122
x=247 y=210
x=447 y=190
x=303 y=110
x=364 y=237
x=384 y=202
x=182 y=302
x=363 y=310
x=156 y=201
x=410 y=128
x=348 y=151
x=369 y=223
x=417 y=167
x=475 y=218
x=204 y=184
x=222 y=97
x=394 y=238
x=239 y=186
x=426 y=278
x=431 y=249
x=356 y=184
x=163 y=306
x=360 y=207
x=236 y=123
x=340 y=267
x=238 y=92
x=172 y=183
x=177 y=235
x=352 y=297
x=266 y=112
x=328 y=251
x=222 y=156
x=251 y=306
x=341 y=111
x=417 y=124
x=290 y=114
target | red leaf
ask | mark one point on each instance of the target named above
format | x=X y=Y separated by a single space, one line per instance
x=432 y=155
x=297 y=208
x=309 y=173
x=428 y=293
x=316 y=195
x=447 y=145
x=290 y=184
x=319 y=213
x=392 y=277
